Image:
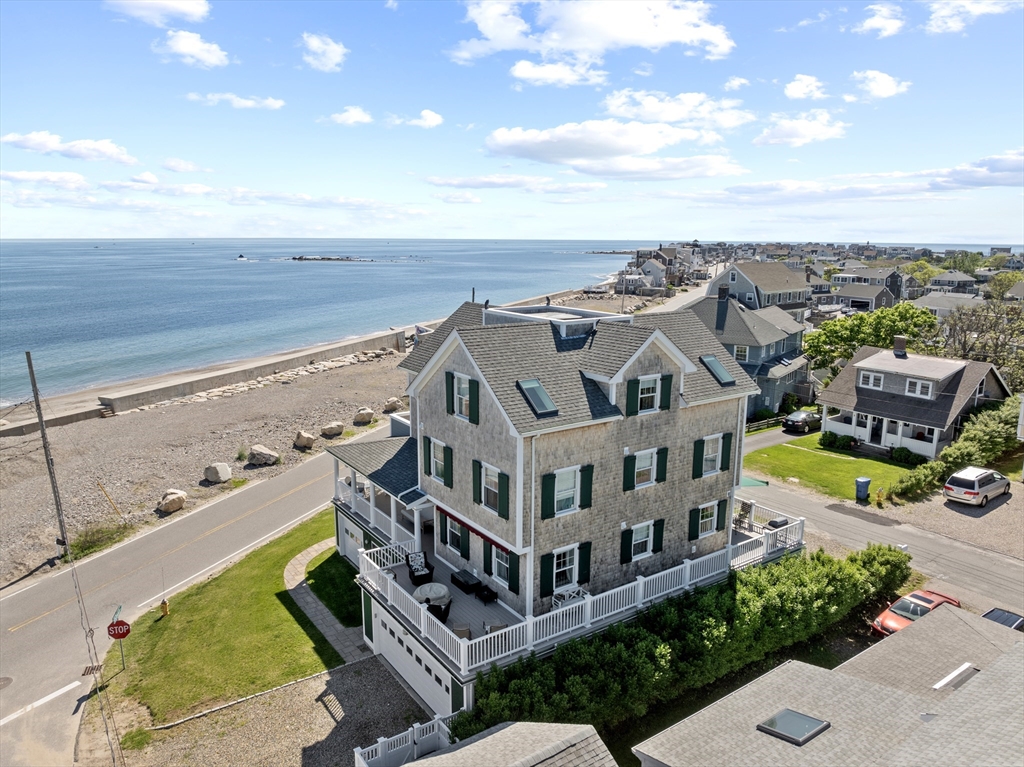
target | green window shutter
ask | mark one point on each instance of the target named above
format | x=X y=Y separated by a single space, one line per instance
x=487 y=558
x=458 y=696
x=474 y=401
x=726 y=450
x=662 y=465
x=367 y=540
x=442 y=528
x=584 y=567
x=659 y=535
x=547 y=496
x=632 y=396
x=547 y=575
x=628 y=473
x=513 y=573
x=463 y=542
x=477 y=490
x=447 y=466
x=666 y=392
x=698 y=460
x=626 y=547
x=503 y=496
x=449 y=393
x=723 y=509
x=694 y=525
x=426 y=456
x=368 y=616
x=586 y=486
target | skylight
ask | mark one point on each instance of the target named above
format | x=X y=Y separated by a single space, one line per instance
x=717 y=369
x=793 y=727
x=537 y=397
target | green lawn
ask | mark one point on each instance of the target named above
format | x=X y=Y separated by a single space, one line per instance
x=227 y=637
x=332 y=579
x=831 y=472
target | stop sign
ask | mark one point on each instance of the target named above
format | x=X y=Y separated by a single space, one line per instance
x=119 y=630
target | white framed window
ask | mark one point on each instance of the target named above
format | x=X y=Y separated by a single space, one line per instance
x=862 y=421
x=750 y=298
x=454 y=535
x=501 y=565
x=732 y=276
x=462 y=396
x=740 y=353
x=712 y=454
x=870 y=380
x=644 y=468
x=981 y=387
x=642 y=535
x=707 y=519
x=565 y=568
x=771 y=349
x=567 y=490
x=650 y=388
x=437 y=460
x=489 y=487
x=918 y=388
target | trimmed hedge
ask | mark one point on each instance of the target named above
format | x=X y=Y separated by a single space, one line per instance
x=909 y=457
x=683 y=643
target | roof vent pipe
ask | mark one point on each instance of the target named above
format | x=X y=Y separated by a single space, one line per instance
x=899 y=346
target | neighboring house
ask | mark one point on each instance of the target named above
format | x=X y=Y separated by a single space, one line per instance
x=655 y=270
x=821 y=290
x=766 y=343
x=890 y=398
x=945 y=690
x=864 y=298
x=569 y=466
x=1015 y=264
x=953 y=281
x=943 y=304
x=758 y=285
x=633 y=281
x=912 y=288
x=1016 y=293
x=892 y=279
x=527 y=744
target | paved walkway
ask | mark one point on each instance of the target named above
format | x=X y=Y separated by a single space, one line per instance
x=347 y=641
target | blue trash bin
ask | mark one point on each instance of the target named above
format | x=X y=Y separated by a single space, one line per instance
x=862 y=488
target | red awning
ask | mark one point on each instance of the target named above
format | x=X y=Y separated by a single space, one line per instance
x=476 y=532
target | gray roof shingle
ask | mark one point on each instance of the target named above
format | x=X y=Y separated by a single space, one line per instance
x=467 y=315
x=388 y=463
x=773 y=276
x=860 y=290
x=527 y=744
x=743 y=326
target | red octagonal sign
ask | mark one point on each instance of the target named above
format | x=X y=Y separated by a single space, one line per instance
x=119 y=630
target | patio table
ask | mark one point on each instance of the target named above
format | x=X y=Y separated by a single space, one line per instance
x=432 y=593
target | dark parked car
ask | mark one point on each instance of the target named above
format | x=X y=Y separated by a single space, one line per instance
x=802 y=420
x=1006 y=618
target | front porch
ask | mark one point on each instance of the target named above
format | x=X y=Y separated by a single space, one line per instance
x=885 y=433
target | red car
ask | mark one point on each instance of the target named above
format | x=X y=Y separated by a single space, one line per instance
x=905 y=610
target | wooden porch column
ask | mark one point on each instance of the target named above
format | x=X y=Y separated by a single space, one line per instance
x=337 y=479
x=352 y=490
x=417 y=535
x=373 y=500
x=394 y=519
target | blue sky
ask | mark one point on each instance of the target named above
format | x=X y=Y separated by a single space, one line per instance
x=894 y=122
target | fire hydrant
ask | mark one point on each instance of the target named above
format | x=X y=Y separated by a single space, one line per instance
x=165 y=608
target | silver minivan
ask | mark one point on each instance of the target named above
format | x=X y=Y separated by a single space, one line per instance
x=975 y=486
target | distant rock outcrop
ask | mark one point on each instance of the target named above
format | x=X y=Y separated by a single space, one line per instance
x=304 y=440
x=262 y=456
x=173 y=500
x=363 y=416
x=216 y=473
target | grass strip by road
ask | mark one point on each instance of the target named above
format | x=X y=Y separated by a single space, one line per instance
x=828 y=471
x=233 y=635
x=333 y=580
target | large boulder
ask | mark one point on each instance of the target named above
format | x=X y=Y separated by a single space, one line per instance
x=262 y=456
x=363 y=416
x=173 y=500
x=304 y=440
x=216 y=473
x=333 y=429
x=393 y=405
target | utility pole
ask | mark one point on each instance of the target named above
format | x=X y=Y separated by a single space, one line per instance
x=49 y=458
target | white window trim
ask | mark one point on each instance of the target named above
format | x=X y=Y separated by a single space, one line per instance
x=918 y=384
x=657 y=394
x=869 y=384
x=732 y=276
x=456 y=549
x=649 y=524
x=750 y=298
x=483 y=487
x=718 y=462
x=456 y=397
x=436 y=449
x=736 y=353
x=497 y=577
x=714 y=518
x=576 y=496
x=575 y=548
x=654 y=467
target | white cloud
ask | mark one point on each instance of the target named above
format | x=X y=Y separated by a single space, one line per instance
x=661 y=168
x=58 y=179
x=879 y=85
x=886 y=19
x=157 y=12
x=192 y=49
x=177 y=165
x=692 y=109
x=576 y=34
x=146 y=178
x=643 y=69
x=45 y=142
x=805 y=87
x=805 y=128
x=543 y=184
x=352 y=115
x=457 y=198
x=954 y=15
x=253 y=102
x=735 y=83
x=849 y=98
x=391 y=5
x=322 y=53
x=427 y=119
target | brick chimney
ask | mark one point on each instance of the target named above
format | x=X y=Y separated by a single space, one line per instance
x=807 y=272
x=723 y=292
x=899 y=346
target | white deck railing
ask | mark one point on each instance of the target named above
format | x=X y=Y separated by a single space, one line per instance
x=418 y=741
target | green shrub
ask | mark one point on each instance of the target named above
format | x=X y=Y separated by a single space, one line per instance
x=888 y=568
x=827 y=439
x=763 y=414
x=790 y=402
x=909 y=457
x=844 y=442
x=242 y=454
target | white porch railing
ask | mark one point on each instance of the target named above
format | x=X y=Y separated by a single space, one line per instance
x=419 y=740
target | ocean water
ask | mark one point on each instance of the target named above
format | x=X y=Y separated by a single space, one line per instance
x=95 y=312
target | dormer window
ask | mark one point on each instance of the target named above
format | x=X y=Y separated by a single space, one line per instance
x=870 y=380
x=917 y=388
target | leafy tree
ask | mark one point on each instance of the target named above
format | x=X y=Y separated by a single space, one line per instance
x=921 y=270
x=998 y=261
x=1002 y=282
x=840 y=338
x=989 y=332
x=829 y=272
x=964 y=262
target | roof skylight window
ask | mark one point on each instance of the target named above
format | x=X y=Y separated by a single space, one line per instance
x=717 y=369
x=537 y=397
x=793 y=727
